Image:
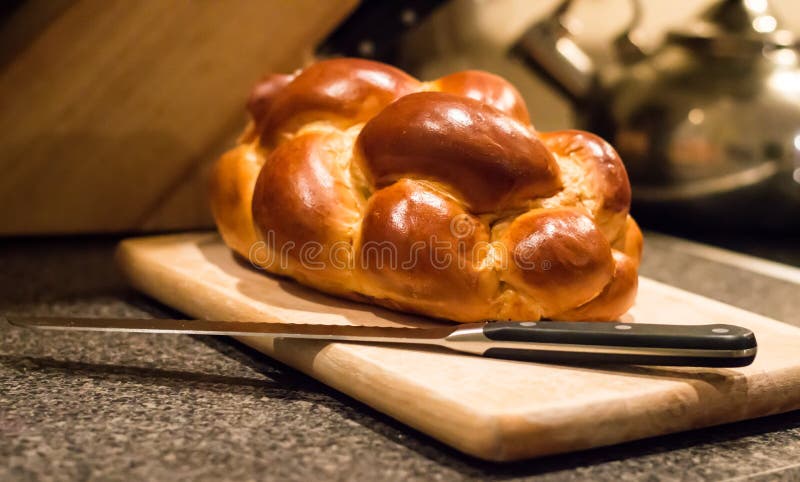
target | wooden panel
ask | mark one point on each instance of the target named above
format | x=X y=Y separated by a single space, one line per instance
x=493 y=409
x=111 y=112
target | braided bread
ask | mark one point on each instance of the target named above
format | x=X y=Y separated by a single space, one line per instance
x=437 y=198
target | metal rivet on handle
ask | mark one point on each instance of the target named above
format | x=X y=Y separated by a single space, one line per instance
x=528 y=323
x=623 y=327
x=720 y=330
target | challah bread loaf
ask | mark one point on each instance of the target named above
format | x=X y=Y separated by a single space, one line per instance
x=438 y=198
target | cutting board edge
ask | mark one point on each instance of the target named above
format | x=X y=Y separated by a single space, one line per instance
x=512 y=439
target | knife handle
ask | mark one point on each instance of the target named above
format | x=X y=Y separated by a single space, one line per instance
x=707 y=337
x=715 y=345
x=577 y=358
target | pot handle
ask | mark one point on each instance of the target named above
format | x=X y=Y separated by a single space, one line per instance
x=550 y=48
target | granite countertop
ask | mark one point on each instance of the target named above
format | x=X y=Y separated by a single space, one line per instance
x=89 y=406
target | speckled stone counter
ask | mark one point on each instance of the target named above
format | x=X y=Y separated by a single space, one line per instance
x=99 y=406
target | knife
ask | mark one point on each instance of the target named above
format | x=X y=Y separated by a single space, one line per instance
x=566 y=342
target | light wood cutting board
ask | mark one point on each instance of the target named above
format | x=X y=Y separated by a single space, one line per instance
x=493 y=409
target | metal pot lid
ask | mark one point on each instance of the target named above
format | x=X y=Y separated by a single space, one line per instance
x=735 y=27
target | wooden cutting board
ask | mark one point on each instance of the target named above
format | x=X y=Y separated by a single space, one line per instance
x=492 y=409
x=113 y=111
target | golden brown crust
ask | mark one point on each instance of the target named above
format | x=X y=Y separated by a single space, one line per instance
x=487 y=88
x=603 y=166
x=231 y=191
x=557 y=256
x=423 y=249
x=632 y=242
x=263 y=94
x=617 y=296
x=436 y=198
x=603 y=187
x=302 y=210
x=488 y=159
x=346 y=91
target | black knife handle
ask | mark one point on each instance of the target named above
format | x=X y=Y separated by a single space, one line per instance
x=702 y=337
x=595 y=359
x=595 y=343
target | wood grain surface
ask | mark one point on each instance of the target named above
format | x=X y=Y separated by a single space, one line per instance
x=112 y=109
x=492 y=409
